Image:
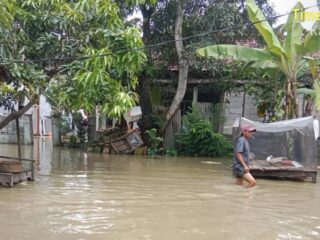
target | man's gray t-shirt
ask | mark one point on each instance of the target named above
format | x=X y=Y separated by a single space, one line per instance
x=243 y=147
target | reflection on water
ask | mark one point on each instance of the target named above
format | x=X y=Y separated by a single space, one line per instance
x=93 y=196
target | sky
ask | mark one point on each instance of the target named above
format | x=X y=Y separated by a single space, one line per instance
x=285 y=6
x=282 y=7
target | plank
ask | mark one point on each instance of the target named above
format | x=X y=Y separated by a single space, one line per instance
x=9 y=179
x=261 y=168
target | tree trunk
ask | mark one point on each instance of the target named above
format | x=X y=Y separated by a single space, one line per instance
x=144 y=87
x=144 y=90
x=17 y=114
x=18 y=137
x=183 y=66
x=291 y=108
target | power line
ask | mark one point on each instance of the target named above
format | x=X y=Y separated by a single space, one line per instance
x=153 y=45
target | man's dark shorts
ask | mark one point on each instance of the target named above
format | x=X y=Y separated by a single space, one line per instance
x=238 y=171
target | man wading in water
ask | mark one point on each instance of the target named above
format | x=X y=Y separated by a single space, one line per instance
x=241 y=161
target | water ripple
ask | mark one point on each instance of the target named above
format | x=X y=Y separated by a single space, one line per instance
x=130 y=197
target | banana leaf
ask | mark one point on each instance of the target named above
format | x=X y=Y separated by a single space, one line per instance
x=294 y=34
x=312 y=40
x=257 y=17
x=236 y=52
x=317 y=92
x=264 y=65
x=307 y=91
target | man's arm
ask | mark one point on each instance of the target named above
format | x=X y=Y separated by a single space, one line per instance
x=243 y=163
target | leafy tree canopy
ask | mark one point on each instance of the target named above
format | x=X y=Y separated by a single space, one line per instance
x=287 y=56
x=50 y=47
x=203 y=21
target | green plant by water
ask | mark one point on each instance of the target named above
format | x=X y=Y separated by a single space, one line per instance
x=198 y=137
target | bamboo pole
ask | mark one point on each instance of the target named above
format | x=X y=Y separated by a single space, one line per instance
x=18 y=137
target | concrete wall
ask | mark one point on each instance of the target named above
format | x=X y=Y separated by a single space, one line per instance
x=40 y=115
x=8 y=134
x=233 y=110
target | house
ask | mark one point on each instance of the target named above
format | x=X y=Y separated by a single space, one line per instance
x=36 y=121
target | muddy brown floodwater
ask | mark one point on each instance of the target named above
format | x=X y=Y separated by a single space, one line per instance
x=92 y=196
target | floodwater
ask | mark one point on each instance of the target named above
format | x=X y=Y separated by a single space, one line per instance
x=92 y=196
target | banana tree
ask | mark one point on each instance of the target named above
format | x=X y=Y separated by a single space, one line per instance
x=314 y=66
x=286 y=56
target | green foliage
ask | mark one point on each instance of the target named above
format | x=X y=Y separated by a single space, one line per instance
x=68 y=136
x=171 y=152
x=199 y=17
x=64 y=125
x=72 y=142
x=78 y=53
x=155 y=147
x=81 y=127
x=264 y=28
x=158 y=121
x=5 y=9
x=198 y=137
x=286 y=56
x=71 y=137
x=242 y=53
x=268 y=93
x=109 y=79
x=216 y=117
x=314 y=66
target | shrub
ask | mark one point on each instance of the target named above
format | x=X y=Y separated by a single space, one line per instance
x=155 y=147
x=198 y=137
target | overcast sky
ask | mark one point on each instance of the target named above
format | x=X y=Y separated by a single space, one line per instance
x=282 y=7
x=285 y=6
